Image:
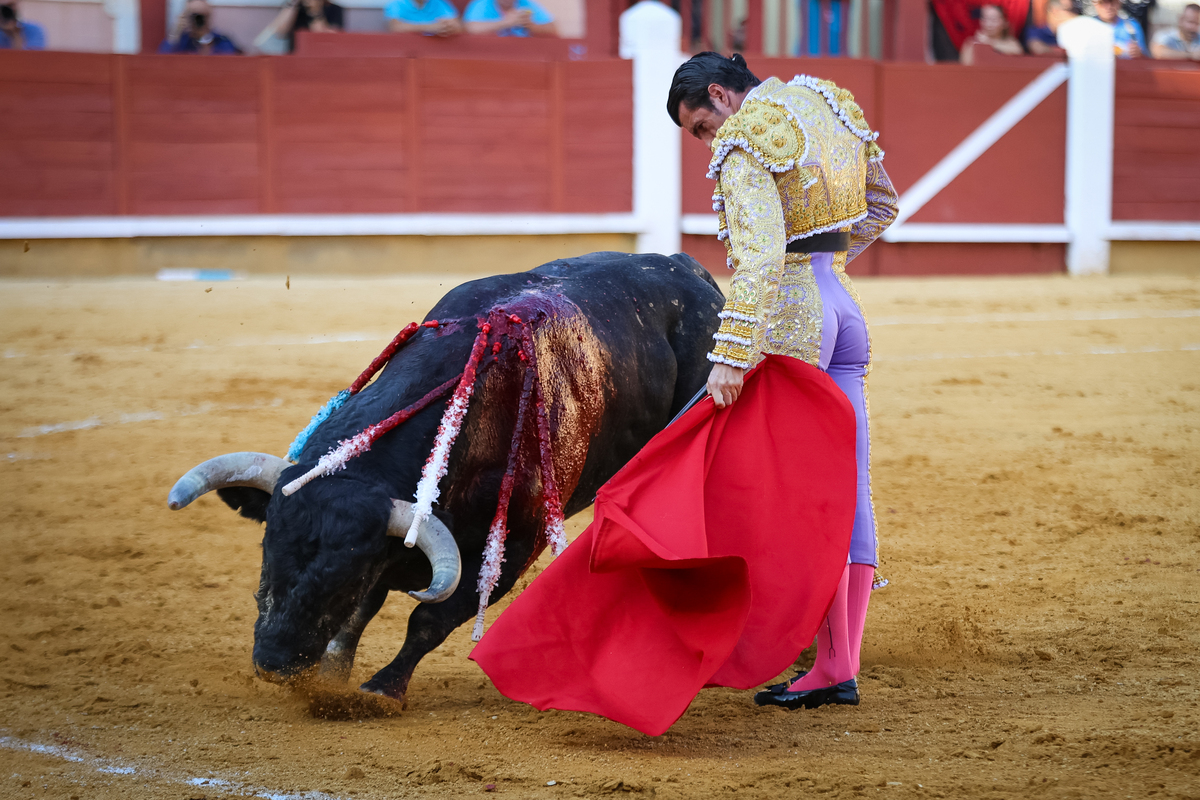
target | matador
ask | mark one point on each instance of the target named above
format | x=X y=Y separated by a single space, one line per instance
x=801 y=191
x=745 y=528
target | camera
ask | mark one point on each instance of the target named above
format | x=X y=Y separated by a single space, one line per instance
x=199 y=20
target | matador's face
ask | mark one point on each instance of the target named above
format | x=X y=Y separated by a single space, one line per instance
x=703 y=122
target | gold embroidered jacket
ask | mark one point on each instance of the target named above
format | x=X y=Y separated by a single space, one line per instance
x=796 y=159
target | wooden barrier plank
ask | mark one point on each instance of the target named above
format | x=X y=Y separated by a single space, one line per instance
x=338 y=132
x=95 y=155
x=597 y=120
x=360 y=128
x=50 y=126
x=1146 y=139
x=1158 y=80
x=239 y=158
x=1161 y=186
x=1158 y=112
x=332 y=156
x=187 y=128
x=37 y=67
x=1156 y=166
x=58 y=192
x=926 y=258
x=1179 y=211
x=47 y=98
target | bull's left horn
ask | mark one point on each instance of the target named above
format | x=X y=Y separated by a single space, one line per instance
x=259 y=470
x=438 y=545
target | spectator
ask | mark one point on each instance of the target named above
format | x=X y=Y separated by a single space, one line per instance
x=994 y=32
x=508 y=18
x=1181 y=42
x=1139 y=10
x=319 y=16
x=16 y=34
x=431 y=17
x=192 y=33
x=1039 y=39
x=1128 y=40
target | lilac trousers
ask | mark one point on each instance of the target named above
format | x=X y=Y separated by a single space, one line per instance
x=845 y=354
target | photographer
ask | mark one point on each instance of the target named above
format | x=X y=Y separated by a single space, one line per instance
x=318 y=16
x=192 y=33
x=16 y=34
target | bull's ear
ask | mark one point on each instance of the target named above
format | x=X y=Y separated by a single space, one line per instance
x=251 y=503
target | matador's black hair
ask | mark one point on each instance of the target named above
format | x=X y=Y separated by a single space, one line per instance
x=692 y=79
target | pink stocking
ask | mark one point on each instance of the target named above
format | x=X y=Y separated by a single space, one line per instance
x=861 y=578
x=833 y=664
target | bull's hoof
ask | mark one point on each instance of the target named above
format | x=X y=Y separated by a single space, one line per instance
x=336 y=669
x=328 y=702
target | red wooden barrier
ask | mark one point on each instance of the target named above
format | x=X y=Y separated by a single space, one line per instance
x=99 y=135
x=1156 y=157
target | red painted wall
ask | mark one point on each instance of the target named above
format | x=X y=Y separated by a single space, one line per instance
x=1156 y=147
x=99 y=134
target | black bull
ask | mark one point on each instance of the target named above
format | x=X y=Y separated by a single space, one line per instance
x=620 y=342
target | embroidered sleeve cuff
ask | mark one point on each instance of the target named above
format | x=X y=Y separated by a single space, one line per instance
x=717 y=358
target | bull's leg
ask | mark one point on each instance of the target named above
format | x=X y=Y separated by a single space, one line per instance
x=338 y=659
x=430 y=624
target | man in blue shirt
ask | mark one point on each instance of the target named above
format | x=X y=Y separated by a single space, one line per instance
x=16 y=34
x=508 y=18
x=431 y=17
x=1128 y=39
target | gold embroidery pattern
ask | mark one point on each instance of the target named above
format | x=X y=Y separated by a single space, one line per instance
x=795 y=160
x=794 y=327
x=751 y=223
x=764 y=130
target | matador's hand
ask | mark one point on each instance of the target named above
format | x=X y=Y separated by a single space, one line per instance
x=725 y=384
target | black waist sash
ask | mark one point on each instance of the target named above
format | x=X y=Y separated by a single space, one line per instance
x=828 y=242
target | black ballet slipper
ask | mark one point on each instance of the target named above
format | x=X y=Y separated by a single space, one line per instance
x=776 y=688
x=843 y=694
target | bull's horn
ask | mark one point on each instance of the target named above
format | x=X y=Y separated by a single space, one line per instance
x=259 y=470
x=439 y=547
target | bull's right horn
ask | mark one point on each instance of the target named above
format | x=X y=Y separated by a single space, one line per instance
x=259 y=470
x=438 y=545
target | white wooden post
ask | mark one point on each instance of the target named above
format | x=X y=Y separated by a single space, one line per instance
x=650 y=35
x=1088 y=213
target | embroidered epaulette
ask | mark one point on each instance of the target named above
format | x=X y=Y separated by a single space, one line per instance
x=764 y=130
x=843 y=104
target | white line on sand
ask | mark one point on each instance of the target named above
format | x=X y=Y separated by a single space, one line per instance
x=122 y=767
x=142 y=416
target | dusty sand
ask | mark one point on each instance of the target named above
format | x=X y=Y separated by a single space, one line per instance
x=1037 y=463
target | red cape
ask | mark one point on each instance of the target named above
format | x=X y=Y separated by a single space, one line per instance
x=712 y=559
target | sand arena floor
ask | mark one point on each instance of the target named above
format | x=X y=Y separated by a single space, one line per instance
x=1037 y=474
